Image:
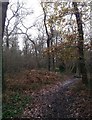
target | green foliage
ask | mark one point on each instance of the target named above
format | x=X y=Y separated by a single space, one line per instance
x=62 y=68
x=15 y=105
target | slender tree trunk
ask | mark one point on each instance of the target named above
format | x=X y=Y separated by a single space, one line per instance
x=90 y=81
x=53 y=61
x=56 y=61
x=82 y=66
x=48 y=53
x=48 y=40
x=37 y=60
x=7 y=39
x=7 y=43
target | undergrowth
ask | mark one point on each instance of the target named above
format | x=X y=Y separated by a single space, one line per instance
x=14 y=104
x=19 y=88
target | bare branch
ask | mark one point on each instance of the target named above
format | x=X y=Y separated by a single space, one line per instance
x=26 y=35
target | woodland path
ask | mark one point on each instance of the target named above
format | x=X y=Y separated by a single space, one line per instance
x=56 y=102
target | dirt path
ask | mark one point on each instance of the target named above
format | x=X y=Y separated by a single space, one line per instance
x=52 y=103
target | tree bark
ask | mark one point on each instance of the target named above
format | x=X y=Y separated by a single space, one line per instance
x=90 y=80
x=53 y=56
x=81 y=59
x=3 y=9
x=48 y=40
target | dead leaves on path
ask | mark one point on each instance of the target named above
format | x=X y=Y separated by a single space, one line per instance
x=82 y=105
x=29 y=81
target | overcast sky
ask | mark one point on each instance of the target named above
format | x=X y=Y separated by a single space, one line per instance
x=33 y=4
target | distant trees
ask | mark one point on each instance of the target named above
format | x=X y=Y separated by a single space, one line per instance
x=58 y=44
x=55 y=22
x=17 y=13
x=68 y=29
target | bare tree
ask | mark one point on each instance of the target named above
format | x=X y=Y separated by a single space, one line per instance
x=49 y=37
x=82 y=66
x=17 y=16
x=29 y=38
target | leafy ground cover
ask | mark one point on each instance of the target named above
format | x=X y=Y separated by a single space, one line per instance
x=82 y=105
x=68 y=101
x=40 y=93
x=21 y=85
x=14 y=103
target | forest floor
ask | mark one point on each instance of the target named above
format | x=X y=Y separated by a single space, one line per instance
x=42 y=94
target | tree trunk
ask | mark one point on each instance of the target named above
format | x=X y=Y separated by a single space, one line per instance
x=53 y=56
x=48 y=53
x=56 y=61
x=81 y=59
x=37 y=60
x=0 y=55
x=48 y=40
x=7 y=40
x=53 y=61
x=3 y=10
x=90 y=80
